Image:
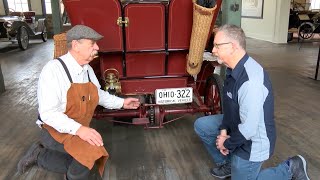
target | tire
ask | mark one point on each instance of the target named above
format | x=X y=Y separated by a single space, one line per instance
x=213 y=96
x=44 y=35
x=23 y=38
x=306 y=30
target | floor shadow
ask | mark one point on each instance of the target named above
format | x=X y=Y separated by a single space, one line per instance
x=8 y=49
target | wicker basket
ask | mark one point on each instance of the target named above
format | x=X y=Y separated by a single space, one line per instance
x=202 y=18
x=60 y=45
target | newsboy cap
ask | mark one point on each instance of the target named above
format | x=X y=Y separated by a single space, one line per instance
x=82 y=32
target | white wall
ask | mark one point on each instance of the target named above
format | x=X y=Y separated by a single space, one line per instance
x=2 y=12
x=36 y=6
x=274 y=25
x=281 y=21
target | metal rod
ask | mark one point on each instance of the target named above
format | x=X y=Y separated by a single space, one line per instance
x=317 y=67
x=124 y=39
x=125 y=113
x=174 y=119
x=137 y=113
x=186 y=110
x=166 y=19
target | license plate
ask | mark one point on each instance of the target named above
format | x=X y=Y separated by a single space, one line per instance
x=174 y=95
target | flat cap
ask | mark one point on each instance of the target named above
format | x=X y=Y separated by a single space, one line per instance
x=82 y=32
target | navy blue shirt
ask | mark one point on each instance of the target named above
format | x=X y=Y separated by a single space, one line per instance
x=249 y=111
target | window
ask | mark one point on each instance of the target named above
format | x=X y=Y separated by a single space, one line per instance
x=48 y=6
x=315 y=4
x=18 y=5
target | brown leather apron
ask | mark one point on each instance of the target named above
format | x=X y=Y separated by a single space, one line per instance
x=82 y=99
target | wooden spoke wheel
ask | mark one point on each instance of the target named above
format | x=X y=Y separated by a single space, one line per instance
x=306 y=30
x=23 y=38
x=44 y=35
x=213 y=96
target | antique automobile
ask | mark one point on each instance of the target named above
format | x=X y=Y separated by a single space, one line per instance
x=146 y=53
x=310 y=27
x=19 y=26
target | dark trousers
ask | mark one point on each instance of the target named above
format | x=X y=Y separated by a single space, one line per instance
x=54 y=158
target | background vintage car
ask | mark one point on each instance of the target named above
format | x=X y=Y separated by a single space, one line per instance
x=19 y=26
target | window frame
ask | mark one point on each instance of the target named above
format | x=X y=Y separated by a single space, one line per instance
x=44 y=9
x=6 y=5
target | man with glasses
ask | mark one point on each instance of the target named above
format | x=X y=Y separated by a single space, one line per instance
x=242 y=138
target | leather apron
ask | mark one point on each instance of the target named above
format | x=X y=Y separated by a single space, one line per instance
x=82 y=99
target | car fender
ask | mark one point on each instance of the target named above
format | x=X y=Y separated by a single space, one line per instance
x=41 y=25
x=17 y=24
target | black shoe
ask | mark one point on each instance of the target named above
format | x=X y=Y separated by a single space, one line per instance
x=94 y=173
x=298 y=168
x=30 y=158
x=221 y=172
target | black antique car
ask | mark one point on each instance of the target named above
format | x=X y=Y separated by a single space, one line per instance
x=19 y=26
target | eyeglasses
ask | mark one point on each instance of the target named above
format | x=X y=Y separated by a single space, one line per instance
x=216 y=45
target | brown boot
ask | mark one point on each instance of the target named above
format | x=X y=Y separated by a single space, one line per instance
x=30 y=158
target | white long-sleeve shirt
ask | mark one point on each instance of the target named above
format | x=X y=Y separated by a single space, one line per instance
x=52 y=93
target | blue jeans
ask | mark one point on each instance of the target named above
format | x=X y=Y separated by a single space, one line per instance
x=247 y=170
x=207 y=128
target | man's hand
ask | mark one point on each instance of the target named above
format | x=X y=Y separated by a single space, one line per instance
x=90 y=135
x=131 y=103
x=224 y=151
x=220 y=140
x=223 y=132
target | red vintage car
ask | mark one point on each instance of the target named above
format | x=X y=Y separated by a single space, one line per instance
x=144 y=54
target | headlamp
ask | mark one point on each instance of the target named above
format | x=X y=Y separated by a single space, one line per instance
x=7 y=25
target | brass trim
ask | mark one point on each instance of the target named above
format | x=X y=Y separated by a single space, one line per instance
x=125 y=22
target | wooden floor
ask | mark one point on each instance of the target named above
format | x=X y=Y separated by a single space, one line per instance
x=174 y=152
